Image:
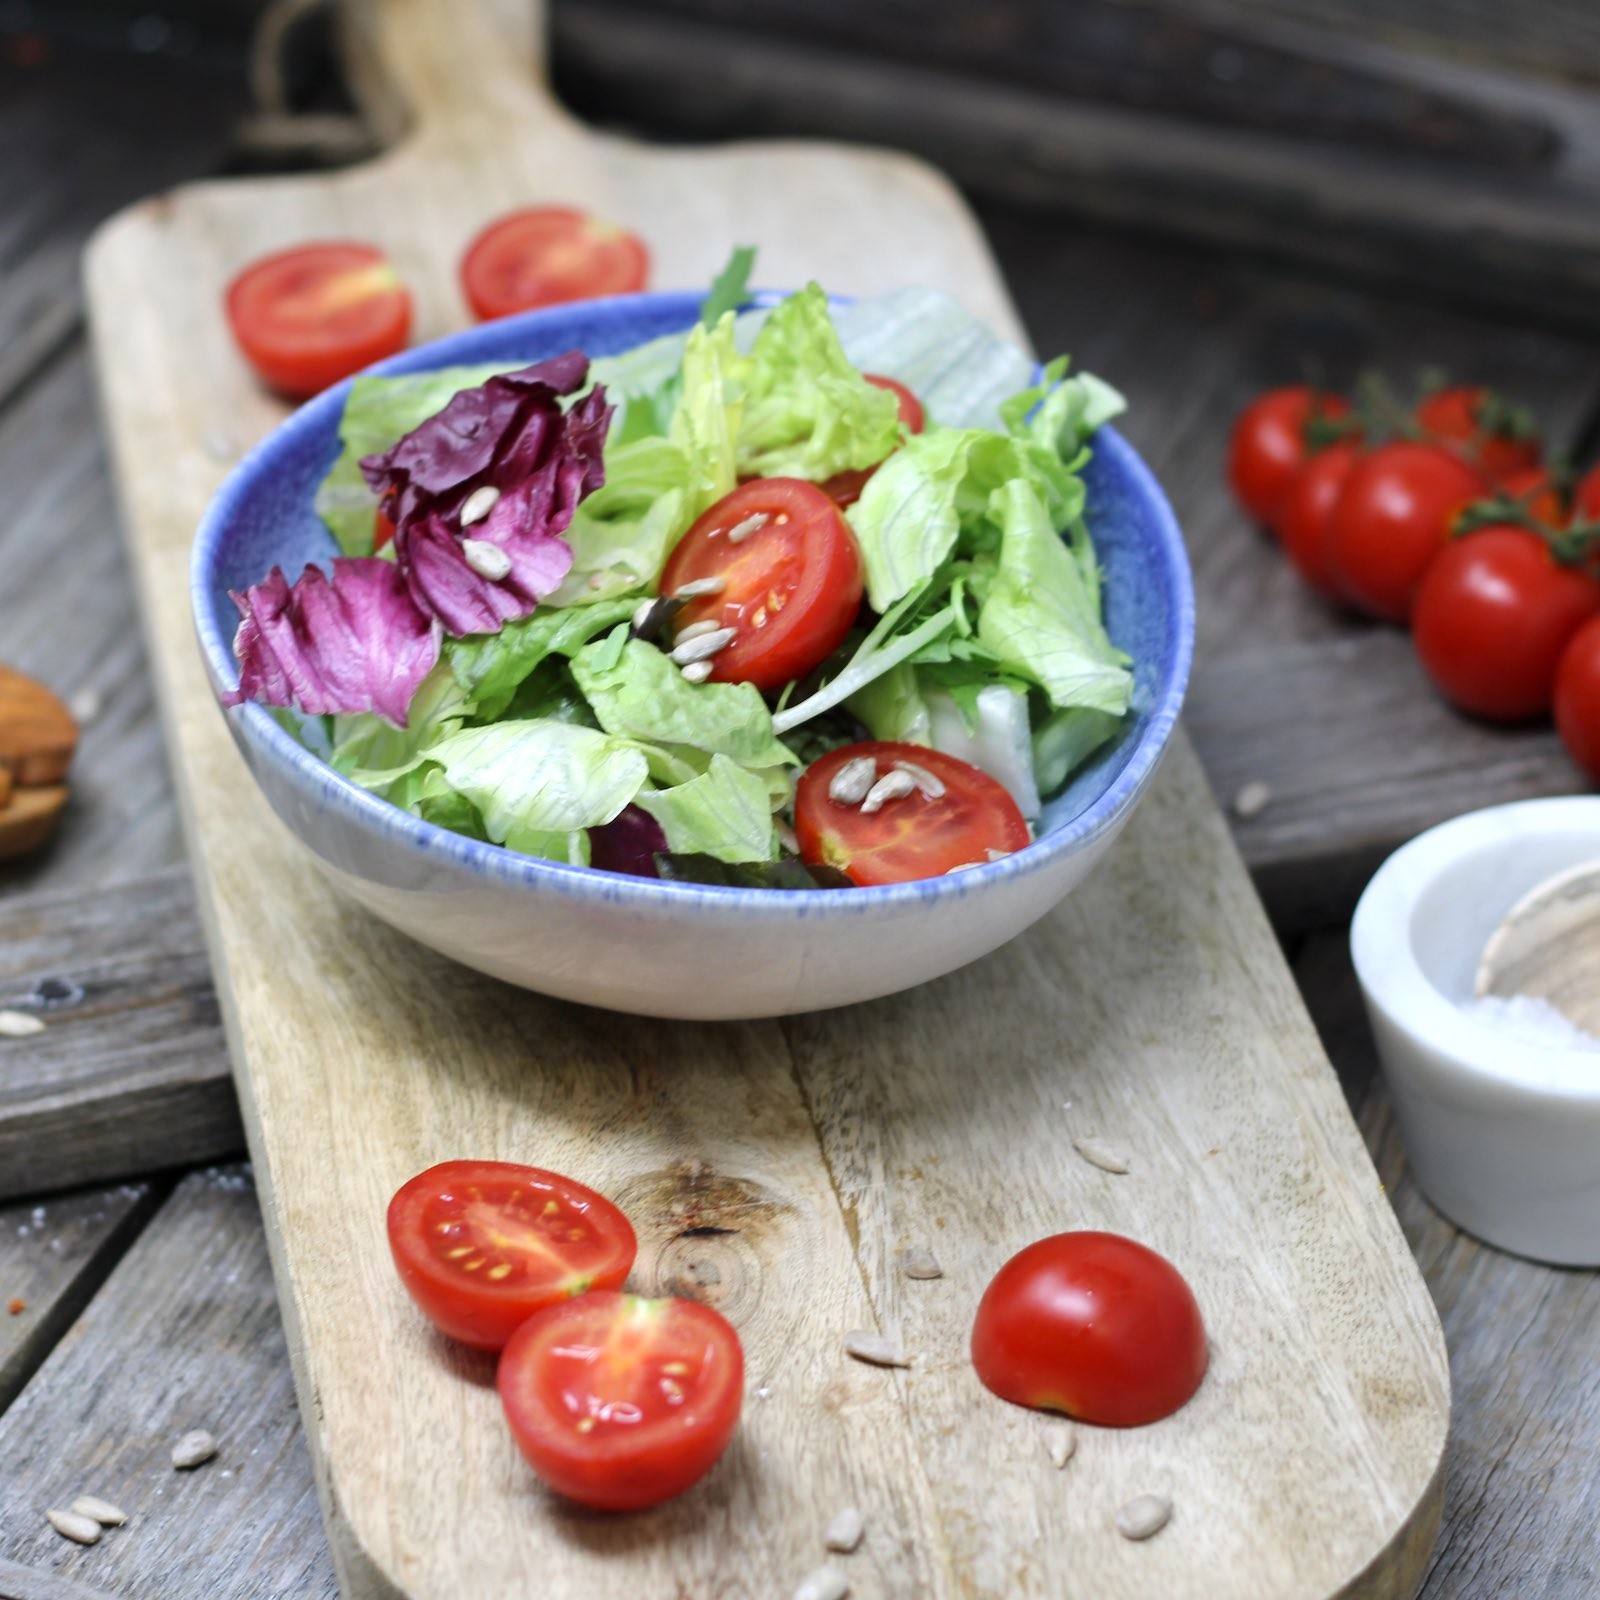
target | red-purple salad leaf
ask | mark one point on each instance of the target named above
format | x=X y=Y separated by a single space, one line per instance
x=355 y=642
x=628 y=843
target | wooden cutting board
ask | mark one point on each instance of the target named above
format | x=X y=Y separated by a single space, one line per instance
x=773 y=1169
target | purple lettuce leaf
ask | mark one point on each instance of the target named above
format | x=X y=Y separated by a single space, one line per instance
x=628 y=843
x=355 y=642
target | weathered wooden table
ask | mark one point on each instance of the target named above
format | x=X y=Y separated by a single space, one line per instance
x=147 y=1304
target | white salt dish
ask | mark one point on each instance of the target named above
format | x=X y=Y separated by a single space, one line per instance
x=1503 y=1131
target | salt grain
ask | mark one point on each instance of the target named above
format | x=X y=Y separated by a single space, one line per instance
x=1530 y=1019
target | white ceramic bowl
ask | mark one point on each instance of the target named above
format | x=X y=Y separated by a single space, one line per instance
x=1503 y=1135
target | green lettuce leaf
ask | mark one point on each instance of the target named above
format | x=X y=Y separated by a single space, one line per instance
x=730 y=288
x=1064 y=740
x=725 y=813
x=389 y=760
x=892 y=707
x=705 y=423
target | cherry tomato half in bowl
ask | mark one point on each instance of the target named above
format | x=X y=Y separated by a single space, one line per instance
x=1093 y=1325
x=791 y=580
x=619 y=1402
x=844 y=488
x=545 y=255
x=482 y=1245
x=307 y=317
x=954 y=815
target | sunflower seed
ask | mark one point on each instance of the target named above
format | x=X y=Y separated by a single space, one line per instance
x=19 y=1024
x=1252 y=800
x=695 y=630
x=703 y=647
x=1101 y=1155
x=741 y=531
x=826 y=1583
x=487 y=560
x=1062 y=1443
x=788 y=838
x=103 y=1512
x=84 y=706
x=850 y=784
x=81 y=1530
x=844 y=1533
x=193 y=1450
x=924 y=780
x=891 y=786
x=697 y=671
x=650 y=617
x=964 y=866
x=871 y=1347
x=998 y=855
x=479 y=504
x=920 y=1264
x=699 y=586
x=1144 y=1517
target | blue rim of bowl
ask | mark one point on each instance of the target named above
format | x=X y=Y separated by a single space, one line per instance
x=332 y=788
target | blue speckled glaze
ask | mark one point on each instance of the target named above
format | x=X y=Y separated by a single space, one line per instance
x=263 y=517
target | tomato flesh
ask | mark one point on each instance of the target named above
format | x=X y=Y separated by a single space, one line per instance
x=844 y=488
x=307 y=317
x=792 y=580
x=918 y=835
x=546 y=255
x=1577 y=698
x=1093 y=1325
x=619 y=1402
x=1268 y=445
x=482 y=1245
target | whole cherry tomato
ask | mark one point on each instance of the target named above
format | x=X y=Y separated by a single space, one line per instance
x=1302 y=520
x=1268 y=444
x=1392 y=518
x=1577 y=698
x=1483 y=428
x=1586 y=497
x=1537 y=492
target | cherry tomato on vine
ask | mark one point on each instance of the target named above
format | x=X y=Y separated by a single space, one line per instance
x=1493 y=616
x=1268 y=444
x=1577 y=698
x=1302 y=520
x=916 y=836
x=307 y=317
x=1537 y=492
x=1093 y=1325
x=482 y=1245
x=1586 y=497
x=844 y=488
x=546 y=255
x=619 y=1402
x=791 y=573
x=1474 y=422
x=1392 y=518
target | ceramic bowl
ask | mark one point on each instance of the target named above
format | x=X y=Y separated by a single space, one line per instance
x=634 y=944
x=1503 y=1133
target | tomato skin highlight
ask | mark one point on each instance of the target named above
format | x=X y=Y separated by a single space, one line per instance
x=1455 y=417
x=660 y=1384
x=1302 y=519
x=1494 y=614
x=1577 y=698
x=307 y=317
x=793 y=586
x=1267 y=446
x=1392 y=518
x=1093 y=1325
x=547 y=255
x=912 y=837
x=510 y=1220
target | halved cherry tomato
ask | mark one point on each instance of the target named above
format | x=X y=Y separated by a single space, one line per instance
x=920 y=835
x=620 y=1403
x=1093 y=1325
x=383 y=523
x=1577 y=698
x=1392 y=518
x=1268 y=444
x=307 y=317
x=1482 y=428
x=792 y=579
x=1302 y=518
x=844 y=488
x=482 y=1245
x=546 y=255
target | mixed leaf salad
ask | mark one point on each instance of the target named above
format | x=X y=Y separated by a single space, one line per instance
x=804 y=595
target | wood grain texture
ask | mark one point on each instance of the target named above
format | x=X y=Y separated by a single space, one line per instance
x=362 y=1058
x=185 y=1334
x=28 y=1583
x=131 y=1073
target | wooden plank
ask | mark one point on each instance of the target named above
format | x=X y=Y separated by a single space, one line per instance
x=185 y=1334
x=131 y=1074
x=26 y=1583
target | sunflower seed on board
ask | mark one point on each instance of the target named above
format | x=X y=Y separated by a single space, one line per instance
x=193 y=1450
x=845 y=1532
x=891 y=786
x=699 y=586
x=72 y=1525
x=479 y=504
x=873 y=1348
x=1252 y=799
x=486 y=559
x=741 y=531
x=920 y=1264
x=931 y=786
x=826 y=1583
x=1099 y=1154
x=697 y=671
x=703 y=647
x=851 y=784
x=1062 y=1443
x=19 y=1024
x=1144 y=1516
x=695 y=630
x=102 y=1511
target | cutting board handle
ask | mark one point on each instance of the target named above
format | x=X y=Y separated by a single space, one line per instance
x=424 y=69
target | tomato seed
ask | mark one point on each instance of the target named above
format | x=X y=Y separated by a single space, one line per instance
x=501 y=1270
